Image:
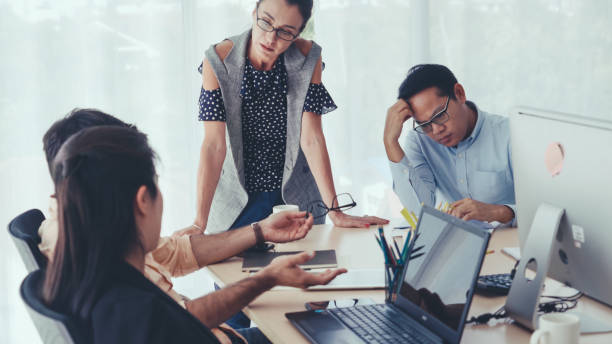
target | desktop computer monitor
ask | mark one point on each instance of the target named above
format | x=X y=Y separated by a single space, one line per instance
x=562 y=167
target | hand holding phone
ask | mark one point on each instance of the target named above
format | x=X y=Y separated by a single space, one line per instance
x=340 y=303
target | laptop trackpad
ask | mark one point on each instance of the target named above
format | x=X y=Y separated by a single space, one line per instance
x=324 y=328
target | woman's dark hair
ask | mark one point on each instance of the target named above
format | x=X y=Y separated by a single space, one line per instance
x=97 y=173
x=424 y=76
x=74 y=122
x=304 y=6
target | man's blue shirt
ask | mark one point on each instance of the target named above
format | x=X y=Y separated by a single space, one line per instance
x=479 y=167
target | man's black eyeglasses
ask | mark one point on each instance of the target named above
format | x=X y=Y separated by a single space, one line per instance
x=268 y=27
x=342 y=201
x=439 y=118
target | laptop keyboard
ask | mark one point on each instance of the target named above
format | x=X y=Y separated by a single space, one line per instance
x=379 y=324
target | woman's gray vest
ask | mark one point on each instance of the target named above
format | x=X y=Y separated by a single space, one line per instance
x=298 y=185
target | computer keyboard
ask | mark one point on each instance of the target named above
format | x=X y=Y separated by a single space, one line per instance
x=379 y=323
x=498 y=284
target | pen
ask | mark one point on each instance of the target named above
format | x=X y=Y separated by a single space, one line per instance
x=418 y=248
x=410 y=247
x=417 y=255
x=382 y=249
x=392 y=259
x=402 y=227
x=396 y=275
x=385 y=247
x=389 y=287
x=378 y=241
x=406 y=244
x=399 y=253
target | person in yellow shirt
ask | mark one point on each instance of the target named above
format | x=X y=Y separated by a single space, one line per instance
x=184 y=251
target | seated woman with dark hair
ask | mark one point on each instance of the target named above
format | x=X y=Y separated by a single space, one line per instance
x=109 y=213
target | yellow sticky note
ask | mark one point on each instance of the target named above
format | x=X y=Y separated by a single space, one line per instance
x=415 y=218
x=406 y=214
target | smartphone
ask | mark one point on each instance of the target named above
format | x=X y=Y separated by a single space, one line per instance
x=329 y=304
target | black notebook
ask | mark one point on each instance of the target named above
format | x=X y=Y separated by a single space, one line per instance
x=254 y=261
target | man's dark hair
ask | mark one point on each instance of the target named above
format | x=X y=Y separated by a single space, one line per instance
x=97 y=174
x=304 y=6
x=75 y=121
x=423 y=76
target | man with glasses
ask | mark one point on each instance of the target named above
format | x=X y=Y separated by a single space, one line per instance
x=455 y=149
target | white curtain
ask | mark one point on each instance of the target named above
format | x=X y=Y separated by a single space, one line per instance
x=550 y=54
x=137 y=60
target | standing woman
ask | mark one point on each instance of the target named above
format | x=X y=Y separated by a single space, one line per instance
x=261 y=103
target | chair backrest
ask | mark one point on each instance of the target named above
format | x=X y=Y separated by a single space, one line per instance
x=24 y=231
x=52 y=326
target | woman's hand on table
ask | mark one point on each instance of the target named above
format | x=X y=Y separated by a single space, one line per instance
x=341 y=219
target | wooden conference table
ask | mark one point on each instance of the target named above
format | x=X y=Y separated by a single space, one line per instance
x=356 y=248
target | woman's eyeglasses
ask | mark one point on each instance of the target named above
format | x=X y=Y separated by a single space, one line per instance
x=268 y=27
x=343 y=201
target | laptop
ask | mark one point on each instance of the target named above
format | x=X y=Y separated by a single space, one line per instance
x=433 y=300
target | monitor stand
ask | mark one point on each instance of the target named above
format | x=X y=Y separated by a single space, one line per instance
x=524 y=296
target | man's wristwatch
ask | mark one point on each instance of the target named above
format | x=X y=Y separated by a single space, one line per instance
x=258 y=233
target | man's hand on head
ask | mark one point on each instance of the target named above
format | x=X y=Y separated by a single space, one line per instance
x=397 y=115
x=469 y=209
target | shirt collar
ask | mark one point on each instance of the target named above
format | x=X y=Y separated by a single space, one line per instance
x=479 y=122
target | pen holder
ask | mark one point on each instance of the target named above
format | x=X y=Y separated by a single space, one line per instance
x=393 y=281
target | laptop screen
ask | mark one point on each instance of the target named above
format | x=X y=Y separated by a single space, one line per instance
x=439 y=280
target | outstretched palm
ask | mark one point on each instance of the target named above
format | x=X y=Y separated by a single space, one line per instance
x=286 y=226
x=285 y=271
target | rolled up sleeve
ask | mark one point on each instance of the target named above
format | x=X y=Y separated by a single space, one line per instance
x=413 y=180
x=511 y=223
x=175 y=255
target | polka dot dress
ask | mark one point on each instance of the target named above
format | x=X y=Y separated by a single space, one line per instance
x=264 y=121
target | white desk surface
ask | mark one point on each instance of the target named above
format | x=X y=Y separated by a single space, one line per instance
x=356 y=248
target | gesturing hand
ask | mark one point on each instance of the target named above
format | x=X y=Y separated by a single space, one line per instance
x=286 y=226
x=285 y=271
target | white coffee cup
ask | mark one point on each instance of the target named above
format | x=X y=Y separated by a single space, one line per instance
x=558 y=328
x=284 y=207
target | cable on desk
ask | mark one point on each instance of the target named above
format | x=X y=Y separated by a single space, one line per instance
x=484 y=318
x=558 y=304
